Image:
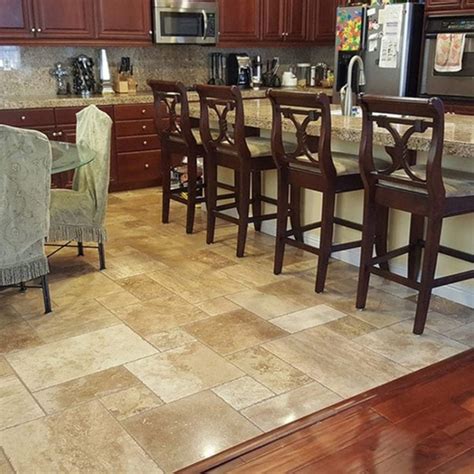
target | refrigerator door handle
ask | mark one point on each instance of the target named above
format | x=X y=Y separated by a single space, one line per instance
x=365 y=26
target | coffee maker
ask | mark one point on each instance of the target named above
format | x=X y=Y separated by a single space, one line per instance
x=239 y=70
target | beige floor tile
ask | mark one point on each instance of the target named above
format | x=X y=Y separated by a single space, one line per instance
x=85 y=389
x=383 y=309
x=218 y=306
x=441 y=305
x=117 y=300
x=5 y=466
x=350 y=327
x=253 y=275
x=444 y=323
x=18 y=336
x=164 y=341
x=68 y=359
x=232 y=332
x=265 y=306
x=158 y=315
x=16 y=404
x=243 y=392
x=8 y=314
x=269 y=370
x=84 y=439
x=183 y=371
x=195 y=287
x=399 y=344
x=463 y=334
x=73 y=320
x=341 y=365
x=5 y=368
x=290 y=406
x=143 y=287
x=130 y=402
x=391 y=287
x=308 y=318
x=201 y=425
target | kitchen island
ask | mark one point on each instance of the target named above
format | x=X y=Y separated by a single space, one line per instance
x=346 y=134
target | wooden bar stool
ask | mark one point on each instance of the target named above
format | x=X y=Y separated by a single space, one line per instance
x=180 y=137
x=309 y=164
x=428 y=192
x=247 y=156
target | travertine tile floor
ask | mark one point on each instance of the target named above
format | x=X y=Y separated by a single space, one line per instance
x=180 y=350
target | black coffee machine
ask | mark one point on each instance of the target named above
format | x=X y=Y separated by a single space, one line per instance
x=239 y=70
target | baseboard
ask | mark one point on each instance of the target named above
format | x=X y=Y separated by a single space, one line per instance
x=456 y=293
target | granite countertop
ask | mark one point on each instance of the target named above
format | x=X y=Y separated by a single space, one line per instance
x=459 y=129
x=44 y=101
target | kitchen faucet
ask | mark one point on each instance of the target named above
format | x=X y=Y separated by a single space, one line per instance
x=346 y=91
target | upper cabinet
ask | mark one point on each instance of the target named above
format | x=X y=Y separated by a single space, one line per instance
x=63 y=19
x=240 y=20
x=79 y=21
x=285 y=20
x=442 y=5
x=116 y=20
x=296 y=24
x=15 y=19
x=323 y=20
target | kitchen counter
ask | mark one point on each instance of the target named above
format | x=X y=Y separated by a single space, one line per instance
x=459 y=129
x=37 y=101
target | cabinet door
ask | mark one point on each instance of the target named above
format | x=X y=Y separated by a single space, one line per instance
x=273 y=12
x=296 y=20
x=15 y=19
x=239 y=20
x=468 y=4
x=71 y=19
x=324 y=20
x=443 y=4
x=117 y=20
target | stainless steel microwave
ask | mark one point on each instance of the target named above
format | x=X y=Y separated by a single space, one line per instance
x=185 y=21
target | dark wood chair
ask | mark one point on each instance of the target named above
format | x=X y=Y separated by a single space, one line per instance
x=309 y=165
x=180 y=137
x=247 y=155
x=428 y=192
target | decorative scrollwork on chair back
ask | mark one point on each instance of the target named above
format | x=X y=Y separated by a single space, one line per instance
x=221 y=109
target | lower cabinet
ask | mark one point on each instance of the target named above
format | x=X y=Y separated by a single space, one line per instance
x=136 y=148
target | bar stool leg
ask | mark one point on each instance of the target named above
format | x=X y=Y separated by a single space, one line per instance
x=295 y=215
x=327 y=231
x=417 y=227
x=191 y=207
x=211 y=199
x=368 y=240
x=165 y=172
x=256 y=198
x=381 y=234
x=433 y=236
x=244 y=203
x=282 y=220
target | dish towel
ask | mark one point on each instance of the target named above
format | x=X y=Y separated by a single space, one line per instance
x=449 y=52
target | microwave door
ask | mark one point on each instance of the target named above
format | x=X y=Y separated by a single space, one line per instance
x=176 y=26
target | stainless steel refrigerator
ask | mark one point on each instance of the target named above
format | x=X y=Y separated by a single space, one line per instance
x=388 y=38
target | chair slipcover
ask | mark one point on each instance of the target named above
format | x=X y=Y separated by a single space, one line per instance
x=79 y=214
x=25 y=177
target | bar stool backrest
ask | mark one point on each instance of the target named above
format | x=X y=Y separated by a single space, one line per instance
x=403 y=119
x=217 y=104
x=294 y=112
x=172 y=111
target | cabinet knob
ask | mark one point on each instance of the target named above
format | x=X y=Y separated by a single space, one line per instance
x=33 y=30
x=60 y=134
x=39 y=30
x=147 y=166
x=151 y=32
x=143 y=111
x=145 y=142
x=23 y=118
x=55 y=134
x=144 y=127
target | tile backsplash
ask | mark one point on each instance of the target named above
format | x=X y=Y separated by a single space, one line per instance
x=26 y=70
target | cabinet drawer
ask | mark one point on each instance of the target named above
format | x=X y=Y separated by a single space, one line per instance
x=135 y=127
x=27 y=117
x=139 y=167
x=67 y=115
x=142 y=143
x=134 y=111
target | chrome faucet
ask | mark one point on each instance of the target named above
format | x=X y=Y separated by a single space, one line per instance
x=347 y=100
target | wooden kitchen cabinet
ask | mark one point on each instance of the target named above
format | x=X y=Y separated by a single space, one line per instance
x=323 y=20
x=15 y=19
x=117 y=20
x=468 y=4
x=285 y=20
x=443 y=4
x=239 y=20
x=273 y=13
x=296 y=14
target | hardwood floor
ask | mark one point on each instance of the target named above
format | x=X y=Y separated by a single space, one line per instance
x=423 y=422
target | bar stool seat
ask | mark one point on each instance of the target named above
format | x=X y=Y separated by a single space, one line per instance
x=175 y=138
x=344 y=164
x=456 y=183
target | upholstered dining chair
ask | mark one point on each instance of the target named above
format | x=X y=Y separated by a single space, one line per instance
x=25 y=175
x=79 y=214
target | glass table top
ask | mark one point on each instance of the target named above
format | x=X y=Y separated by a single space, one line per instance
x=69 y=156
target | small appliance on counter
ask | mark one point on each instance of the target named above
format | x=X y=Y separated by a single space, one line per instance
x=239 y=70
x=257 y=72
x=83 y=82
x=289 y=78
x=217 y=69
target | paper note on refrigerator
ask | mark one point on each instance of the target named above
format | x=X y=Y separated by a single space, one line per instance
x=392 y=19
x=388 y=53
